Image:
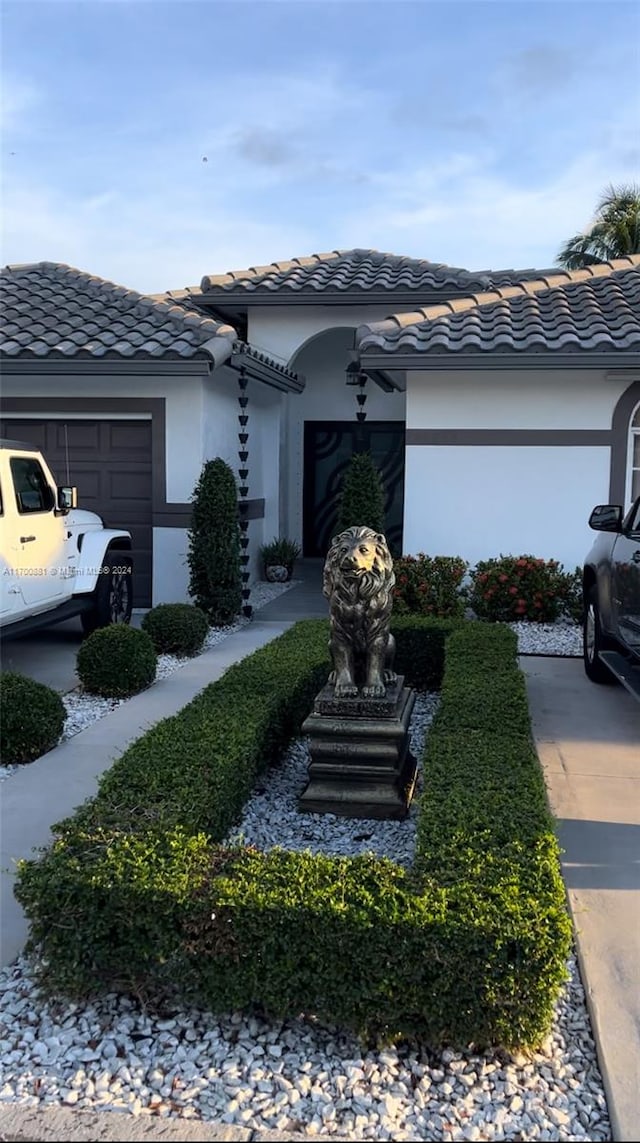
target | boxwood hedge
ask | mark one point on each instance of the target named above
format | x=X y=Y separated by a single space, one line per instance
x=467 y=947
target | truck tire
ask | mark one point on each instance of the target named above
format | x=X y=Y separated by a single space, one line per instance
x=113 y=595
x=593 y=641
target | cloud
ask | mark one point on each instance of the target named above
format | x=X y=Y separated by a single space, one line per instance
x=482 y=219
x=141 y=243
x=538 y=70
x=265 y=146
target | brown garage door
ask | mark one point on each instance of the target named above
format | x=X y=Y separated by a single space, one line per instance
x=110 y=462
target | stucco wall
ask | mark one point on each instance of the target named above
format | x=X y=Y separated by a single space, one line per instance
x=478 y=500
x=527 y=399
x=282 y=330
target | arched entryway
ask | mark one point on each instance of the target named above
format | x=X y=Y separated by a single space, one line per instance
x=323 y=432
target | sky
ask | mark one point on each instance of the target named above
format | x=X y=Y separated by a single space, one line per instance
x=152 y=142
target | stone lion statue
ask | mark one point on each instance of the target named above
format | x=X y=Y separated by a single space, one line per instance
x=358 y=581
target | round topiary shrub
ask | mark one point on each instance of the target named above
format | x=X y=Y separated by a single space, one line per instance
x=31 y=718
x=176 y=628
x=117 y=661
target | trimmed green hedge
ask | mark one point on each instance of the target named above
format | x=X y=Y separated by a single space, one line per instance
x=469 y=946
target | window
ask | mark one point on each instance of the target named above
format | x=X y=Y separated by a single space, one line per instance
x=634 y=456
x=33 y=493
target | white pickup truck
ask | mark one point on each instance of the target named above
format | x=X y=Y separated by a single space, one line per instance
x=56 y=561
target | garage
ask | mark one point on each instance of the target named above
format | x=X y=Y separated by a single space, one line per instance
x=109 y=460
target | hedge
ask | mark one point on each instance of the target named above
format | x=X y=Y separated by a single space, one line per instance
x=469 y=946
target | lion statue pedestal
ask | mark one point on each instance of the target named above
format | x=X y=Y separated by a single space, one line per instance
x=361 y=765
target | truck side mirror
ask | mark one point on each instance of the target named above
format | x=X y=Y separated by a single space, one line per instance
x=67 y=498
x=606 y=518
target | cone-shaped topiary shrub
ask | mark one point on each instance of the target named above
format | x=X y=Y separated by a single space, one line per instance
x=31 y=718
x=176 y=628
x=362 y=496
x=117 y=661
x=215 y=581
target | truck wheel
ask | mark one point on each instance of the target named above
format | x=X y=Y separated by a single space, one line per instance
x=113 y=596
x=593 y=641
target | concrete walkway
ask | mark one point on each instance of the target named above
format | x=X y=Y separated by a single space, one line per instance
x=588 y=739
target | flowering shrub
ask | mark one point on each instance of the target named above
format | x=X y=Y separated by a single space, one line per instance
x=523 y=587
x=429 y=585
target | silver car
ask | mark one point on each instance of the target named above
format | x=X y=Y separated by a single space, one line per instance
x=611 y=594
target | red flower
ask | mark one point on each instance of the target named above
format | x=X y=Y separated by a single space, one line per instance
x=513 y=591
x=503 y=578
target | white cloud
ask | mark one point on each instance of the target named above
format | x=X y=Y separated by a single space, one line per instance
x=482 y=219
x=146 y=244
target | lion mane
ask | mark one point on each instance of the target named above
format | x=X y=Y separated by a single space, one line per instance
x=358 y=582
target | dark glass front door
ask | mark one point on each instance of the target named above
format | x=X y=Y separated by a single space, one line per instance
x=328 y=446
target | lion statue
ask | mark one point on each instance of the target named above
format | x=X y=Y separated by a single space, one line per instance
x=358 y=581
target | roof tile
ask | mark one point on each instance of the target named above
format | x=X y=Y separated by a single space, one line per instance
x=356 y=271
x=50 y=308
x=567 y=311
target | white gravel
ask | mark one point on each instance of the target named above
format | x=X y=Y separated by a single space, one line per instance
x=561 y=638
x=271 y=816
x=294 y=1075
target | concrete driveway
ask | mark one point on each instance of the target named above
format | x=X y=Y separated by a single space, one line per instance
x=588 y=741
x=48 y=655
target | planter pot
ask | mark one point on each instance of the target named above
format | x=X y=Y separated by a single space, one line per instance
x=277 y=573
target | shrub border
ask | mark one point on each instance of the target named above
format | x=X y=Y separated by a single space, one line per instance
x=470 y=946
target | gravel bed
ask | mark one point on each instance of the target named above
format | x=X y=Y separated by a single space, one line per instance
x=562 y=638
x=294 y=1075
x=271 y=815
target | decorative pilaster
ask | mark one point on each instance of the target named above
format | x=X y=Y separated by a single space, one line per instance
x=243 y=507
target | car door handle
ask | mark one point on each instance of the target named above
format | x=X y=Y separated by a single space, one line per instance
x=26 y=539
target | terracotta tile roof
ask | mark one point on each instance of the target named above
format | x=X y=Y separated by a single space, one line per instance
x=49 y=309
x=564 y=311
x=353 y=272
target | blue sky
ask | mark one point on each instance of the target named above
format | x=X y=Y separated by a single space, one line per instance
x=153 y=142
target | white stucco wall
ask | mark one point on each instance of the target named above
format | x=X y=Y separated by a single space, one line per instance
x=527 y=399
x=480 y=500
x=170 y=570
x=282 y=330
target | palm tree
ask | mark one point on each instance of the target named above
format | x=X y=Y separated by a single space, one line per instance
x=614 y=233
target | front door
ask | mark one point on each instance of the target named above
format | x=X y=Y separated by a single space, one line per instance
x=328 y=447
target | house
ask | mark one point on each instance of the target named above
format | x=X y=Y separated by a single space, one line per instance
x=127 y=397
x=500 y=406
x=500 y=410
x=522 y=411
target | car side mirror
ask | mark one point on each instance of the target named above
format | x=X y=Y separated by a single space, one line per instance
x=67 y=498
x=606 y=518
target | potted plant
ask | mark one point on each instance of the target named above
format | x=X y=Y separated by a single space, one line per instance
x=279 y=554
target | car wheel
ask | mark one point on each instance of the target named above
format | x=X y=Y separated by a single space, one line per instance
x=593 y=642
x=113 y=596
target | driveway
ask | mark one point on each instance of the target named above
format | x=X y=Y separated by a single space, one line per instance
x=49 y=655
x=588 y=741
